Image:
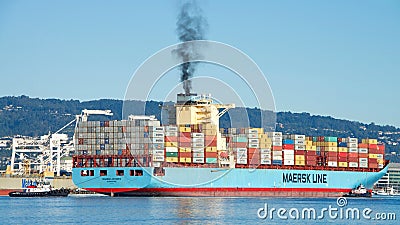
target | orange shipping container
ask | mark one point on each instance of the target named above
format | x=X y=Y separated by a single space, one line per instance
x=211 y=154
x=362 y=145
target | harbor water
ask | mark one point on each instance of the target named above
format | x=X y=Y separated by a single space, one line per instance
x=153 y=210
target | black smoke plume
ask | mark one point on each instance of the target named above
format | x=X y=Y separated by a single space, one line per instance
x=191 y=25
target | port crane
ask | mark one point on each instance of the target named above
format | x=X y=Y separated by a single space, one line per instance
x=45 y=153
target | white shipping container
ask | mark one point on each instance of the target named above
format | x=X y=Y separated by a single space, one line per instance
x=251 y=131
x=172 y=129
x=171 y=149
x=300 y=147
x=379 y=156
x=274 y=134
x=298 y=137
x=276 y=157
x=363 y=150
x=157 y=164
x=276 y=143
x=252 y=135
x=352 y=140
x=265 y=161
x=158 y=140
x=198 y=145
x=352 y=145
x=353 y=164
x=253 y=141
x=266 y=156
x=241 y=155
x=288 y=162
x=157 y=129
x=363 y=165
x=158 y=152
x=241 y=161
x=276 y=139
x=197 y=135
x=197 y=149
x=354 y=150
x=241 y=150
x=277 y=153
x=288 y=152
x=198 y=160
x=380 y=166
x=171 y=134
x=265 y=151
x=158 y=158
x=332 y=164
x=288 y=157
x=157 y=135
x=198 y=140
x=363 y=160
x=253 y=145
x=299 y=142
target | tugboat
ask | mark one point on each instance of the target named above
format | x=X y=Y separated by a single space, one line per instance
x=39 y=189
x=360 y=191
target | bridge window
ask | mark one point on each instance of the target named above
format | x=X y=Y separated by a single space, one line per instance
x=136 y=173
x=120 y=172
x=103 y=172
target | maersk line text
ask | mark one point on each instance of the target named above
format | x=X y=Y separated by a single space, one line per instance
x=304 y=178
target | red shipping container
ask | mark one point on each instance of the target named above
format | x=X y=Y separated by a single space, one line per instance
x=185 y=144
x=211 y=154
x=210 y=137
x=253 y=151
x=352 y=159
x=373 y=165
x=299 y=152
x=311 y=162
x=331 y=154
x=381 y=147
x=311 y=158
x=276 y=148
x=331 y=158
x=185 y=134
x=185 y=154
x=363 y=155
x=311 y=153
x=352 y=155
x=290 y=147
x=184 y=139
x=343 y=154
x=342 y=159
x=373 y=146
x=362 y=145
x=372 y=160
x=238 y=145
x=373 y=151
x=170 y=139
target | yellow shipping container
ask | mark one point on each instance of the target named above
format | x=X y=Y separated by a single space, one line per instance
x=381 y=161
x=185 y=129
x=343 y=149
x=342 y=164
x=185 y=149
x=330 y=144
x=300 y=163
x=171 y=144
x=373 y=156
x=311 y=148
x=171 y=159
x=211 y=149
x=265 y=141
x=309 y=143
x=331 y=149
x=369 y=141
x=209 y=126
x=265 y=145
x=300 y=157
x=185 y=160
x=212 y=132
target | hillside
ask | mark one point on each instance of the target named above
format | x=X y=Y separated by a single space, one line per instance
x=34 y=117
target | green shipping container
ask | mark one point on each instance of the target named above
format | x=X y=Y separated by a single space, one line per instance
x=172 y=154
x=240 y=139
x=331 y=139
x=211 y=160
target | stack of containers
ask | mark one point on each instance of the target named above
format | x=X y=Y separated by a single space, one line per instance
x=276 y=138
x=380 y=155
x=352 y=156
x=253 y=146
x=372 y=152
x=299 y=149
x=311 y=151
x=342 y=152
x=157 y=146
x=238 y=144
x=287 y=150
x=265 y=149
x=210 y=143
x=363 y=152
x=331 y=151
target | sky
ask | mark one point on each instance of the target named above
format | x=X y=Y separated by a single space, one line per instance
x=336 y=58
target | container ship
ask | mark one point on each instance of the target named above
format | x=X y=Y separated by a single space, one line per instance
x=194 y=157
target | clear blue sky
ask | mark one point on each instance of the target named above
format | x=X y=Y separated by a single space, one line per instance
x=337 y=58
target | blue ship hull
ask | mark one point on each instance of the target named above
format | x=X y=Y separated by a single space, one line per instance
x=179 y=181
